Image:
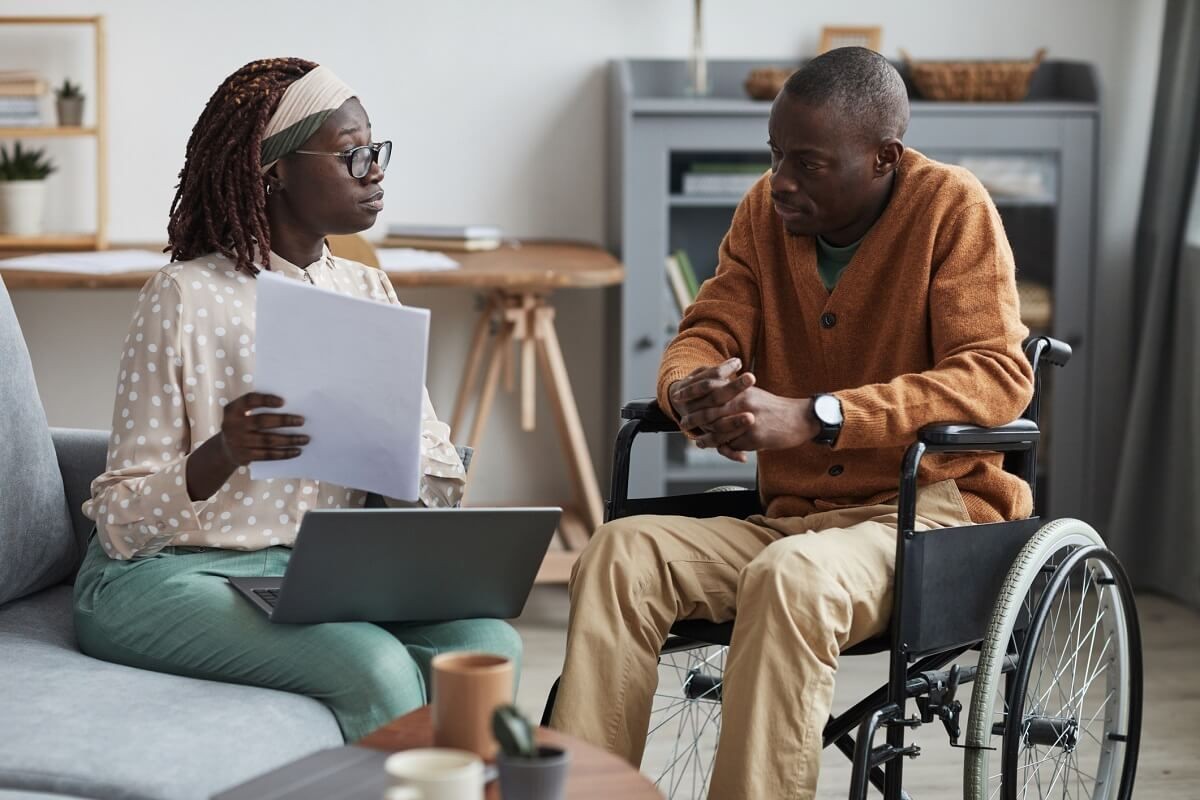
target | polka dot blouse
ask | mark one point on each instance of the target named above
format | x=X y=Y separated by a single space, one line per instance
x=189 y=352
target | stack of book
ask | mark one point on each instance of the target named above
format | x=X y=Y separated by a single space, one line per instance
x=716 y=178
x=444 y=237
x=20 y=94
x=681 y=278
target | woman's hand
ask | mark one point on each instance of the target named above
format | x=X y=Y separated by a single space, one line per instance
x=246 y=436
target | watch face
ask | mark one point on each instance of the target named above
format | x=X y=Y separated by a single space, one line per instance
x=828 y=410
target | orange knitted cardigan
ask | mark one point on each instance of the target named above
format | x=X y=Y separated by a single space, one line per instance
x=923 y=327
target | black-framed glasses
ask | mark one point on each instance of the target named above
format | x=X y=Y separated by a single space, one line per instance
x=359 y=159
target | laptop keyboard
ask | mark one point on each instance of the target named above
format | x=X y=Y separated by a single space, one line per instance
x=268 y=596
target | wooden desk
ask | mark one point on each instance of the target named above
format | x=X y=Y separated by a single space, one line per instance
x=515 y=326
x=593 y=773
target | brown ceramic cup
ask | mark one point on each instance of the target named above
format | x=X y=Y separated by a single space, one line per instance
x=467 y=688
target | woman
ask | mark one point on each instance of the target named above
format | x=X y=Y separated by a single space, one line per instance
x=280 y=158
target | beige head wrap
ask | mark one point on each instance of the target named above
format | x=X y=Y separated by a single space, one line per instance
x=304 y=106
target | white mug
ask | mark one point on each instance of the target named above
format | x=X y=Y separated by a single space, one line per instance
x=434 y=773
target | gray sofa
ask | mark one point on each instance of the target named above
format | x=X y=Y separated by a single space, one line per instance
x=74 y=726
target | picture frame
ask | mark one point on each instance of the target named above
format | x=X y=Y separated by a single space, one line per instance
x=833 y=37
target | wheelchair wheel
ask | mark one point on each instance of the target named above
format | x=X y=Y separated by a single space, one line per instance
x=1056 y=707
x=685 y=719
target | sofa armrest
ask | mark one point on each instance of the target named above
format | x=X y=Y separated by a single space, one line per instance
x=81 y=459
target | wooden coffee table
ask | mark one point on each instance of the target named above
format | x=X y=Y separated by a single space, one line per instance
x=594 y=773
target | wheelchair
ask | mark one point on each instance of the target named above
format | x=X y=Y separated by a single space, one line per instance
x=1041 y=615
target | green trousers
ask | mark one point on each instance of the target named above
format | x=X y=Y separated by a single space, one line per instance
x=174 y=612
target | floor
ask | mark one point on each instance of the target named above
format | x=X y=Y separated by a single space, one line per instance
x=1168 y=766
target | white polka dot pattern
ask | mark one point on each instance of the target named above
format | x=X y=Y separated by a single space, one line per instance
x=189 y=353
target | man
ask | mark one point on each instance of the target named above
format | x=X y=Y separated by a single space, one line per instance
x=862 y=292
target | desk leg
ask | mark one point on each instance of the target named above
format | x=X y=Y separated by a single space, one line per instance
x=500 y=347
x=466 y=387
x=566 y=414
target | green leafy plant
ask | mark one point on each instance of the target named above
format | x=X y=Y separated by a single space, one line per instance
x=69 y=90
x=513 y=732
x=24 y=165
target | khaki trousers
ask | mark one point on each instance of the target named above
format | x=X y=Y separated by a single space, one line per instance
x=803 y=589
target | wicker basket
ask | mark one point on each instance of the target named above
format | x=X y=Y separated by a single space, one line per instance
x=986 y=81
x=765 y=83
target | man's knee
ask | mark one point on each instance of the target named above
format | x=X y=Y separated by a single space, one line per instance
x=622 y=549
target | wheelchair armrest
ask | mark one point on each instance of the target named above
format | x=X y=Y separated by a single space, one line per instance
x=1020 y=434
x=652 y=419
x=1046 y=348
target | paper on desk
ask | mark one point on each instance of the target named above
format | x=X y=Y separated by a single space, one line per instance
x=98 y=262
x=406 y=259
x=355 y=370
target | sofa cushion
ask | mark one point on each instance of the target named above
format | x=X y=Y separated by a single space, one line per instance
x=37 y=543
x=79 y=726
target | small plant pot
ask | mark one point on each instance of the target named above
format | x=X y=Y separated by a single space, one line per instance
x=70 y=112
x=541 y=778
x=22 y=204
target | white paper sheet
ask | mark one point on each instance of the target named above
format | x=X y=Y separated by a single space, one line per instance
x=407 y=259
x=355 y=370
x=98 y=262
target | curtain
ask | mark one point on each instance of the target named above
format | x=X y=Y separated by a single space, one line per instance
x=1155 y=526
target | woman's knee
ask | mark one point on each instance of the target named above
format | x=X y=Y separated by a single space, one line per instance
x=493 y=636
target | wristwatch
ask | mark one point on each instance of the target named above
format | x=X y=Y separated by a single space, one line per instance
x=828 y=411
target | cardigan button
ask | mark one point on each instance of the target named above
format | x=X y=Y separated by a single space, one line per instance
x=828 y=320
x=836 y=469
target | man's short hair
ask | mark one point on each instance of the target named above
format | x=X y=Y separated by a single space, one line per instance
x=860 y=85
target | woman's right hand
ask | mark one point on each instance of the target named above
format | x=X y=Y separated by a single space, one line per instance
x=246 y=436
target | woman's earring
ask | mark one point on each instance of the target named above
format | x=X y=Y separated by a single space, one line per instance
x=270 y=189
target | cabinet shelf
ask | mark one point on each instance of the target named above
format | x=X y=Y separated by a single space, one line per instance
x=46 y=132
x=97 y=240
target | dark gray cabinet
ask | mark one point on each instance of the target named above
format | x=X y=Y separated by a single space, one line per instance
x=1040 y=156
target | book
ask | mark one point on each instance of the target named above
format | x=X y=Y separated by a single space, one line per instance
x=714 y=177
x=18 y=104
x=404 y=230
x=21 y=84
x=404 y=259
x=689 y=273
x=429 y=243
x=695 y=183
x=679 y=289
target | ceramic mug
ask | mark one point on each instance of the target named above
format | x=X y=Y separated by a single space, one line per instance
x=467 y=688
x=434 y=774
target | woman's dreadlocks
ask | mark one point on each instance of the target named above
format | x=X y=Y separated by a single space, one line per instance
x=220 y=204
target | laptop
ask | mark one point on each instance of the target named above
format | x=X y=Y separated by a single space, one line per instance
x=407 y=565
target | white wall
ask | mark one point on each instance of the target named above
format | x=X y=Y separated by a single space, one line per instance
x=498 y=112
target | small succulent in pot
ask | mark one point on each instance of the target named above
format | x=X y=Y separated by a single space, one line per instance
x=513 y=732
x=69 y=104
x=527 y=771
x=69 y=90
x=23 y=174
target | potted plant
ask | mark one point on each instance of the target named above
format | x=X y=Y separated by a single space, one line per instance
x=69 y=102
x=23 y=176
x=527 y=771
